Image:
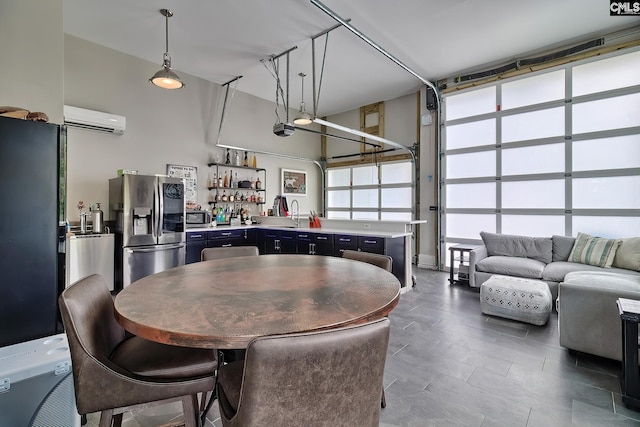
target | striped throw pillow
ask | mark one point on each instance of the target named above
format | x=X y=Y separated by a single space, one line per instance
x=592 y=250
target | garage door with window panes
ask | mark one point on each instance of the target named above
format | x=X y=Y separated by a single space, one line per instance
x=553 y=152
x=382 y=191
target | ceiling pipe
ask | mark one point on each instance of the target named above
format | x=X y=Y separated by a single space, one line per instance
x=373 y=44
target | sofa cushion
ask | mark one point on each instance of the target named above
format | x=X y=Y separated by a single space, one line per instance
x=509 y=245
x=628 y=254
x=594 y=250
x=511 y=266
x=556 y=271
x=603 y=280
x=562 y=246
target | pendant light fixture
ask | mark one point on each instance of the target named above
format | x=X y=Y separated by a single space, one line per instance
x=166 y=78
x=303 y=118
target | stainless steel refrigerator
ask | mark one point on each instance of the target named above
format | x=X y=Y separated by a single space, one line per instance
x=147 y=213
x=32 y=194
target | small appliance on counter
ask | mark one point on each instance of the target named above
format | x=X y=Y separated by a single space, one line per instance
x=195 y=219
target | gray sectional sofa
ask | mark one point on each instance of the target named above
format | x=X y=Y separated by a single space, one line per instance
x=586 y=294
x=541 y=258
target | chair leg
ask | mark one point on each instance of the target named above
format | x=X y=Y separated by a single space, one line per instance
x=383 y=400
x=189 y=405
x=203 y=401
x=107 y=418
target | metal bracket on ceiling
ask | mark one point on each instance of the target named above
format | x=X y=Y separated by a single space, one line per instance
x=273 y=60
x=224 y=104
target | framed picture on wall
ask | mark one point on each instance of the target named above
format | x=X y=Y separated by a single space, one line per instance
x=190 y=175
x=294 y=182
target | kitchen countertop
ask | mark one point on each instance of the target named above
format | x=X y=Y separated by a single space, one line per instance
x=376 y=233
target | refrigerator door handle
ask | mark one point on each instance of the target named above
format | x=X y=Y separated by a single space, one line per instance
x=159 y=210
x=155 y=248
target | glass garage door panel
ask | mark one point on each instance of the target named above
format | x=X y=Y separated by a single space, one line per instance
x=365 y=215
x=396 y=198
x=533 y=225
x=611 y=113
x=338 y=214
x=339 y=177
x=366 y=175
x=469 y=226
x=480 y=195
x=542 y=194
x=607 y=153
x=338 y=199
x=397 y=173
x=587 y=78
x=619 y=192
x=396 y=216
x=546 y=158
x=471 y=165
x=533 y=90
x=607 y=226
x=472 y=134
x=533 y=125
x=471 y=103
x=365 y=198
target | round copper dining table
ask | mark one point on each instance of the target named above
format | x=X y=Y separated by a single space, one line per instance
x=224 y=304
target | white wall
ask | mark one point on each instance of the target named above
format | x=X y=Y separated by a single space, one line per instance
x=31 y=50
x=178 y=127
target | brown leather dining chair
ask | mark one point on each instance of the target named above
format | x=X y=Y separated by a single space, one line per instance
x=114 y=371
x=379 y=260
x=382 y=261
x=228 y=252
x=322 y=378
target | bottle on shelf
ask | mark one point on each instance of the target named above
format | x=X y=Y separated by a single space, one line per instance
x=254 y=163
x=245 y=163
x=253 y=183
x=237 y=196
x=231 y=196
x=236 y=182
x=225 y=183
x=214 y=181
x=237 y=158
x=231 y=179
x=228 y=159
x=224 y=196
x=258 y=184
x=217 y=196
x=220 y=180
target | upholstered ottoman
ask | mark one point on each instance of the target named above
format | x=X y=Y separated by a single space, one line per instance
x=526 y=300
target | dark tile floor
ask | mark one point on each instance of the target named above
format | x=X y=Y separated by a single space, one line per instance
x=450 y=365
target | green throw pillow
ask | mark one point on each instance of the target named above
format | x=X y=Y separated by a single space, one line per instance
x=592 y=250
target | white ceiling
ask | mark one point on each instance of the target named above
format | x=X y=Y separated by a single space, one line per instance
x=220 y=39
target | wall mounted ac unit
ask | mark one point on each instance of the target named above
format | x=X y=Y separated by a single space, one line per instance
x=94 y=120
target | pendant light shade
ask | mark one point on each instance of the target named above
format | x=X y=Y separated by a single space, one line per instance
x=303 y=118
x=166 y=78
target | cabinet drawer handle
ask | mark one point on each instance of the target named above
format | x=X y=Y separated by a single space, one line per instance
x=227 y=245
x=345 y=240
x=226 y=234
x=303 y=235
x=371 y=241
x=322 y=238
x=193 y=236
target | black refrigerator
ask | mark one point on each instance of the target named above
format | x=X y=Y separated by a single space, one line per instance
x=32 y=194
